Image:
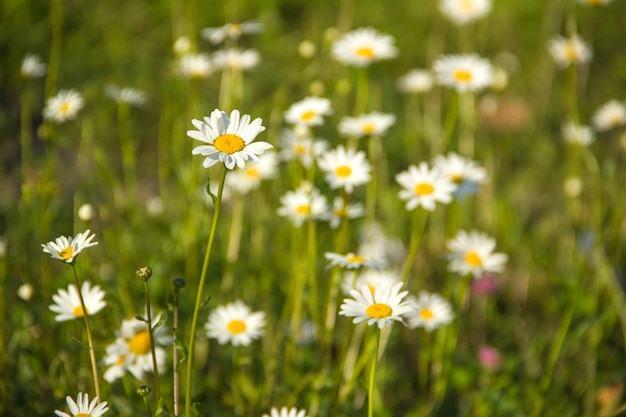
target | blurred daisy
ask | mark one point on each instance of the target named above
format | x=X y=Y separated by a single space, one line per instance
x=612 y=114
x=302 y=204
x=566 y=51
x=33 y=67
x=286 y=412
x=67 y=303
x=363 y=46
x=25 y=291
x=182 y=46
x=66 y=249
x=372 y=278
x=195 y=66
x=126 y=95
x=465 y=173
x=300 y=147
x=231 y=31
x=309 y=111
x=461 y=12
x=382 y=307
x=424 y=187
x=370 y=124
x=345 y=168
x=3 y=246
x=340 y=211
x=351 y=261
x=375 y=242
x=577 y=134
x=234 y=58
x=235 y=323
x=463 y=72
x=473 y=253
x=83 y=408
x=85 y=212
x=228 y=139
x=595 y=2
x=431 y=312
x=250 y=177
x=416 y=81
x=64 y=106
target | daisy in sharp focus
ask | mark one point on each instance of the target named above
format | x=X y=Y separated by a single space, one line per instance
x=577 y=134
x=249 y=177
x=231 y=31
x=465 y=72
x=195 y=66
x=462 y=12
x=424 y=187
x=235 y=323
x=234 y=58
x=64 y=106
x=301 y=147
x=228 y=139
x=302 y=204
x=473 y=253
x=83 y=408
x=352 y=261
x=416 y=81
x=33 y=67
x=67 y=303
x=465 y=173
x=371 y=277
x=345 y=168
x=612 y=114
x=566 y=51
x=340 y=212
x=309 y=111
x=66 y=249
x=431 y=312
x=285 y=412
x=363 y=46
x=370 y=124
x=382 y=307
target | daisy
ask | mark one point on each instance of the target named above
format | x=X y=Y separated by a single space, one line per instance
x=424 y=187
x=374 y=242
x=372 y=278
x=231 y=31
x=370 y=124
x=195 y=66
x=300 y=147
x=341 y=211
x=285 y=412
x=363 y=46
x=463 y=72
x=472 y=253
x=228 y=139
x=234 y=58
x=382 y=307
x=351 y=261
x=345 y=168
x=64 y=106
x=182 y=46
x=302 y=204
x=83 y=408
x=66 y=249
x=595 y=2
x=85 y=212
x=309 y=111
x=235 y=323
x=612 y=114
x=33 y=67
x=250 y=177
x=416 y=81
x=461 y=12
x=431 y=312
x=67 y=303
x=566 y=51
x=463 y=172
x=577 y=134
x=126 y=95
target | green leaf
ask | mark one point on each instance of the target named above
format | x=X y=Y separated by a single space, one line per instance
x=141 y=318
x=159 y=323
x=208 y=191
x=197 y=410
x=205 y=302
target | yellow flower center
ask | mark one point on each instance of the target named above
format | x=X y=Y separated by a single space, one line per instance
x=78 y=311
x=365 y=52
x=65 y=107
x=234 y=30
x=139 y=344
x=378 y=311
x=424 y=189
x=473 y=259
x=82 y=415
x=343 y=171
x=308 y=115
x=67 y=253
x=229 y=143
x=571 y=54
x=462 y=76
x=121 y=360
x=236 y=326
x=340 y=212
x=426 y=314
x=299 y=150
x=368 y=128
x=467 y=5
x=303 y=209
x=456 y=178
x=355 y=259
x=252 y=173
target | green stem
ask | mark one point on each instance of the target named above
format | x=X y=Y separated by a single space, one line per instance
x=56 y=21
x=127 y=148
x=450 y=121
x=419 y=223
x=26 y=115
x=466 y=116
x=362 y=91
x=155 y=368
x=176 y=387
x=372 y=382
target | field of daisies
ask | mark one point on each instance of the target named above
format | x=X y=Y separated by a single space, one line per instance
x=310 y=209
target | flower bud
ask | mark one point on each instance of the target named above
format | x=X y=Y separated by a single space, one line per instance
x=144 y=390
x=144 y=273
x=179 y=282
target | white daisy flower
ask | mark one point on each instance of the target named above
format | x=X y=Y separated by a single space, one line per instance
x=577 y=134
x=126 y=95
x=461 y=12
x=345 y=168
x=431 y=312
x=83 y=408
x=182 y=46
x=370 y=124
x=372 y=278
x=67 y=303
x=66 y=249
x=566 y=51
x=416 y=81
x=302 y=204
x=234 y=58
x=463 y=72
x=286 y=412
x=463 y=172
x=64 y=106
x=340 y=211
x=235 y=323
x=363 y=46
x=229 y=139
x=352 y=261
x=424 y=187
x=300 y=147
x=231 y=31
x=595 y=2
x=382 y=307
x=85 y=212
x=249 y=177
x=309 y=111
x=195 y=66
x=374 y=242
x=33 y=67
x=25 y=291
x=473 y=253
x=612 y=114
